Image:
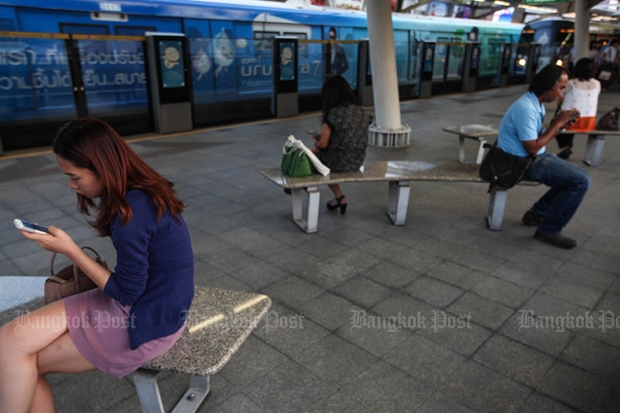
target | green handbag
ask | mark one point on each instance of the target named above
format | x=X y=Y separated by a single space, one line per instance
x=295 y=162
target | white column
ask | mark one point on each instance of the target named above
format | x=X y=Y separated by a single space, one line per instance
x=383 y=64
x=582 y=23
x=386 y=129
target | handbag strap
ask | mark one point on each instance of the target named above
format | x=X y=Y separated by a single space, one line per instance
x=75 y=267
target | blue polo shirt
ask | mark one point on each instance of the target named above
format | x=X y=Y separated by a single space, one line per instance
x=522 y=122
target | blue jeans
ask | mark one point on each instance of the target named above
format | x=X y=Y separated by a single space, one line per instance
x=569 y=185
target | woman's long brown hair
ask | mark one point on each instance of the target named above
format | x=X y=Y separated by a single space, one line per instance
x=93 y=144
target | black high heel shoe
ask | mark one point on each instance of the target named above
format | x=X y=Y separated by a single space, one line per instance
x=337 y=203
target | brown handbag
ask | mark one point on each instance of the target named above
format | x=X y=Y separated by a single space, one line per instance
x=610 y=120
x=69 y=281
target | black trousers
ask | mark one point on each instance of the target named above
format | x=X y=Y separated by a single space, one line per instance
x=565 y=140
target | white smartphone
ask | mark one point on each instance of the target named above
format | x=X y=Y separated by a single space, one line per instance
x=29 y=227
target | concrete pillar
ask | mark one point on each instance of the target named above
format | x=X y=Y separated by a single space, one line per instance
x=387 y=129
x=582 y=23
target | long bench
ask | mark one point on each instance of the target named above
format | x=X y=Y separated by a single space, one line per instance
x=480 y=133
x=398 y=174
x=219 y=322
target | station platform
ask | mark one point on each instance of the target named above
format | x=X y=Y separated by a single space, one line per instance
x=441 y=315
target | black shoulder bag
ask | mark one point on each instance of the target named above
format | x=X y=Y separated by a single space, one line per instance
x=504 y=169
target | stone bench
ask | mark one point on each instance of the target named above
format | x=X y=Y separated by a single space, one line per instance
x=219 y=322
x=397 y=174
x=478 y=133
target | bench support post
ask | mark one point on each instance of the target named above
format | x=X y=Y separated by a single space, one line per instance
x=150 y=399
x=497 y=205
x=594 y=149
x=398 y=201
x=481 y=144
x=310 y=222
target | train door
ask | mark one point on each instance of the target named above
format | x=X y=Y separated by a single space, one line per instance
x=75 y=68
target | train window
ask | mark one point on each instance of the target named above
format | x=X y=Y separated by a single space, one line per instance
x=133 y=31
x=263 y=40
x=83 y=29
x=7 y=25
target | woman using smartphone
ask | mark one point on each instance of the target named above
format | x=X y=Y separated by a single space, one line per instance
x=139 y=310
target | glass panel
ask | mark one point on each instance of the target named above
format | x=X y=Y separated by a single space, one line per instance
x=35 y=82
x=455 y=66
x=311 y=69
x=114 y=76
x=441 y=51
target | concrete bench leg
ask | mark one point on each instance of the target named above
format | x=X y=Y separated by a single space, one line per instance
x=497 y=205
x=150 y=398
x=398 y=201
x=481 y=145
x=594 y=149
x=461 y=148
x=310 y=222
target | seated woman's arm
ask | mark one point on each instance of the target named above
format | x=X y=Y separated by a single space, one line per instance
x=323 y=141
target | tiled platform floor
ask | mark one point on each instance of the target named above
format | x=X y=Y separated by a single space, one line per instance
x=359 y=268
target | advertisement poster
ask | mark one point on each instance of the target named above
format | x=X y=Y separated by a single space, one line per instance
x=287 y=61
x=171 y=52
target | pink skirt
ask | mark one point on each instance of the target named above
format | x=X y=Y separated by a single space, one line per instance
x=98 y=326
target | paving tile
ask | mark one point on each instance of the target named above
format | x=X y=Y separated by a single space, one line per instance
x=425 y=360
x=514 y=360
x=507 y=293
x=524 y=277
x=433 y=291
x=287 y=331
x=464 y=339
x=391 y=275
x=259 y=274
x=407 y=311
x=329 y=311
x=593 y=356
x=237 y=403
x=483 y=311
x=457 y=275
x=581 y=390
x=381 y=388
x=289 y=387
x=440 y=402
x=543 y=404
x=335 y=360
x=254 y=359
x=362 y=291
x=542 y=323
x=253 y=242
x=581 y=274
x=417 y=260
x=292 y=291
x=566 y=290
x=499 y=393
x=374 y=333
x=479 y=261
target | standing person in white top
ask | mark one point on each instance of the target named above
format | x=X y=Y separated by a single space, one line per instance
x=581 y=93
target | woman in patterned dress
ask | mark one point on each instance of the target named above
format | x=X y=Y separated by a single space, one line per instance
x=342 y=143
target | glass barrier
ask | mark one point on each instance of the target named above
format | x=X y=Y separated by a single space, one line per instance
x=114 y=76
x=35 y=80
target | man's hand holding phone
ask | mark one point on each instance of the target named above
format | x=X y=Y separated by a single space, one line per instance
x=567 y=118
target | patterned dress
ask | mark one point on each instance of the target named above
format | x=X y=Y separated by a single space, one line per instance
x=349 y=138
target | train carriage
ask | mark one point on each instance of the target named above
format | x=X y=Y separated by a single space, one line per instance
x=69 y=58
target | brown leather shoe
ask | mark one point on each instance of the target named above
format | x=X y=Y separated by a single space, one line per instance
x=558 y=240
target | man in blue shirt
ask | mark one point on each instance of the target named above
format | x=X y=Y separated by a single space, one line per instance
x=521 y=133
